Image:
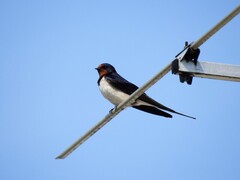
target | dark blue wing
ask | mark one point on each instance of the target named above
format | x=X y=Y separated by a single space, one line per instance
x=153 y=110
x=120 y=83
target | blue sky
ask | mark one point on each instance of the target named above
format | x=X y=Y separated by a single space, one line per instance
x=49 y=95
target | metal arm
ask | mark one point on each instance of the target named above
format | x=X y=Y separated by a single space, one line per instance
x=215 y=28
x=210 y=70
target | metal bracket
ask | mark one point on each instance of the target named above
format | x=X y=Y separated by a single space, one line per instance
x=187 y=66
x=189 y=55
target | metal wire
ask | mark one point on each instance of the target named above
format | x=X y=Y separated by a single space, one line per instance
x=216 y=28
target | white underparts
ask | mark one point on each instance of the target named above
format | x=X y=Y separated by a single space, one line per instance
x=116 y=96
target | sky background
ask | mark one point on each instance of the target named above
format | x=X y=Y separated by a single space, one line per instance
x=49 y=95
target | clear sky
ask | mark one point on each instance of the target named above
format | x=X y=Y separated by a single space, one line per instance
x=49 y=95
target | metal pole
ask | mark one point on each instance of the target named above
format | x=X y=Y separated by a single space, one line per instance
x=211 y=70
x=217 y=27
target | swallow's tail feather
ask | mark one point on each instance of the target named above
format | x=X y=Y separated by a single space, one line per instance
x=167 y=109
x=158 y=106
x=170 y=110
x=184 y=115
x=153 y=110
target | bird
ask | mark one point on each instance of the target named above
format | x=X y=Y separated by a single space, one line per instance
x=116 y=89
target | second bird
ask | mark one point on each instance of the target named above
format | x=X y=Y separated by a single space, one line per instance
x=117 y=89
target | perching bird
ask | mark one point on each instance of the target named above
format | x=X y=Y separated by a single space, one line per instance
x=117 y=89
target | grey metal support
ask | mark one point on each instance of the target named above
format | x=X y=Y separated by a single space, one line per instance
x=211 y=70
x=215 y=28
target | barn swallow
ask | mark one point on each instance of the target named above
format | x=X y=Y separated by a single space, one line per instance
x=116 y=89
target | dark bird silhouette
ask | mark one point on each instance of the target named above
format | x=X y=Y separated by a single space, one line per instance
x=117 y=89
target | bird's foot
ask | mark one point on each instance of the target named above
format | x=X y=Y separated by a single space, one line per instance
x=112 y=110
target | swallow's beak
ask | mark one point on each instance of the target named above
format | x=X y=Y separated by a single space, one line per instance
x=96 y=68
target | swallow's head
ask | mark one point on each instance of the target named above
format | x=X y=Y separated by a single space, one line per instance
x=105 y=68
